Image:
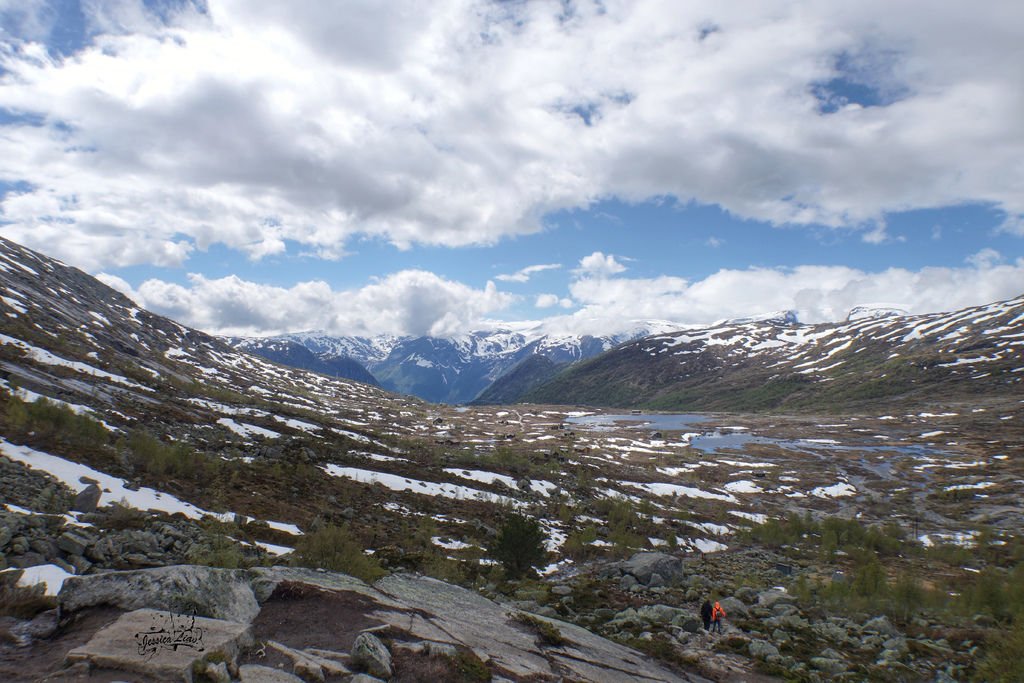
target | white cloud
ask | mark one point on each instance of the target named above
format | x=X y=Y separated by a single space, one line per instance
x=599 y=264
x=523 y=274
x=985 y=259
x=252 y=125
x=817 y=293
x=410 y=302
x=552 y=300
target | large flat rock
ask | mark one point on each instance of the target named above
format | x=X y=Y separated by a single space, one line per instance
x=453 y=614
x=162 y=645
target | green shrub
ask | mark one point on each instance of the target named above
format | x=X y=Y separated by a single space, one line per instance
x=217 y=550
x=1003 y=662
x=519 y=545
x=334 y=548
x=547 y=632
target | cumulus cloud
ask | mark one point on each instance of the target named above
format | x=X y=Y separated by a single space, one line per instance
x=524 y=274
x=252 y=125
x=552 y=300
x=409 y=302
x=816 y=293
x=599 y=264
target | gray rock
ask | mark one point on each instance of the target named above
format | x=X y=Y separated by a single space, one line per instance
x=154 y=633
x=643 y=566
x=762 y=649
x=252 y=673
x=489 y=630
x=88 y=499
x=770 y=598
x=829 y=631
x=217 y=672
x=734 y=607
x=660 y=614
x=206 y=591
x=627 y=582
x=690 y=624
x=880 y=625
x=561 y=589
x=363 y=678
x=828 y=665
x=74 y=542
x=369 y=653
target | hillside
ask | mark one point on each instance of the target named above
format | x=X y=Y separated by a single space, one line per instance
x=294 y=354
x=515 y=383
x=777 y=364
x=136 y=453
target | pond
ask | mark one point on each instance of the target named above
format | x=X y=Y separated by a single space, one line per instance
x=725 y=438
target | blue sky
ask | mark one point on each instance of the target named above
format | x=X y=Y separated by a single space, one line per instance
x=368 y=168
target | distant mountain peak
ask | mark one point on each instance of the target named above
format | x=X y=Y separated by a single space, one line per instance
x=866 y=311
x=785 y=317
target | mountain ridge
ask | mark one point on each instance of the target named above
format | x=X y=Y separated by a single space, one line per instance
x=772 y=364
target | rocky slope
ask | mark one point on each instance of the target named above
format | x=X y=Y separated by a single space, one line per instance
x=868 y=362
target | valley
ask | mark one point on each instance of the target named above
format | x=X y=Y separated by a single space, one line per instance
x=877 y=539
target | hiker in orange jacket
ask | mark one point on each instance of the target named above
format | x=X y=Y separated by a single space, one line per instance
x=717 y=613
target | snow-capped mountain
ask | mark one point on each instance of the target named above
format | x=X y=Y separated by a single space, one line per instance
x=877 y=356
x=449 y=370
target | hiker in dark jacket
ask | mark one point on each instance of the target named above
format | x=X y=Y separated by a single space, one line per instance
x=705 y=614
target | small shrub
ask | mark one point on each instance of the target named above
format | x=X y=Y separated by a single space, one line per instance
x=1003 y=662
x=217 y=551
x=547 y=632
x=519 y=545
x=24 y=602
x=124 y=516
x=334 y=548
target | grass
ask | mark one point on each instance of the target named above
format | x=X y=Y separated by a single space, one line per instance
x=547 y=633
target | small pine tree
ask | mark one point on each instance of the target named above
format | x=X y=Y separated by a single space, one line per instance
x=519 y=545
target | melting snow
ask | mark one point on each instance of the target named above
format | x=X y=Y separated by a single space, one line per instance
x=113 y=488
x=246 y=430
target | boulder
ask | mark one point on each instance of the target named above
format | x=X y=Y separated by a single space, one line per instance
x=880 y=625
x=88 y=499
x=161 y=644
x=369 y=653
x=828 y=665
x=205 y=591
x=734 y=607
x=660 y=614
x=770 y=598
x=762 y=649
x=643 y=566
x=74 y=542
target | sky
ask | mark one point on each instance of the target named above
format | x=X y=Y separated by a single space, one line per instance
x=368 y=167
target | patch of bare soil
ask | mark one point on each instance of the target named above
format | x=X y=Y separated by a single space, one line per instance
x=302 y=616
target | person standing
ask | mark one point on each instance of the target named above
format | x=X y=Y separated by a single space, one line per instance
x=717 y=614
x=705 y=614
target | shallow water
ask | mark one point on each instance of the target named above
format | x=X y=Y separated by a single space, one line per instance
x=715 y=441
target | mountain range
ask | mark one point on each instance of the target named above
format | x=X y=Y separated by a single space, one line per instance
x=878 y=355
x=441 y=370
